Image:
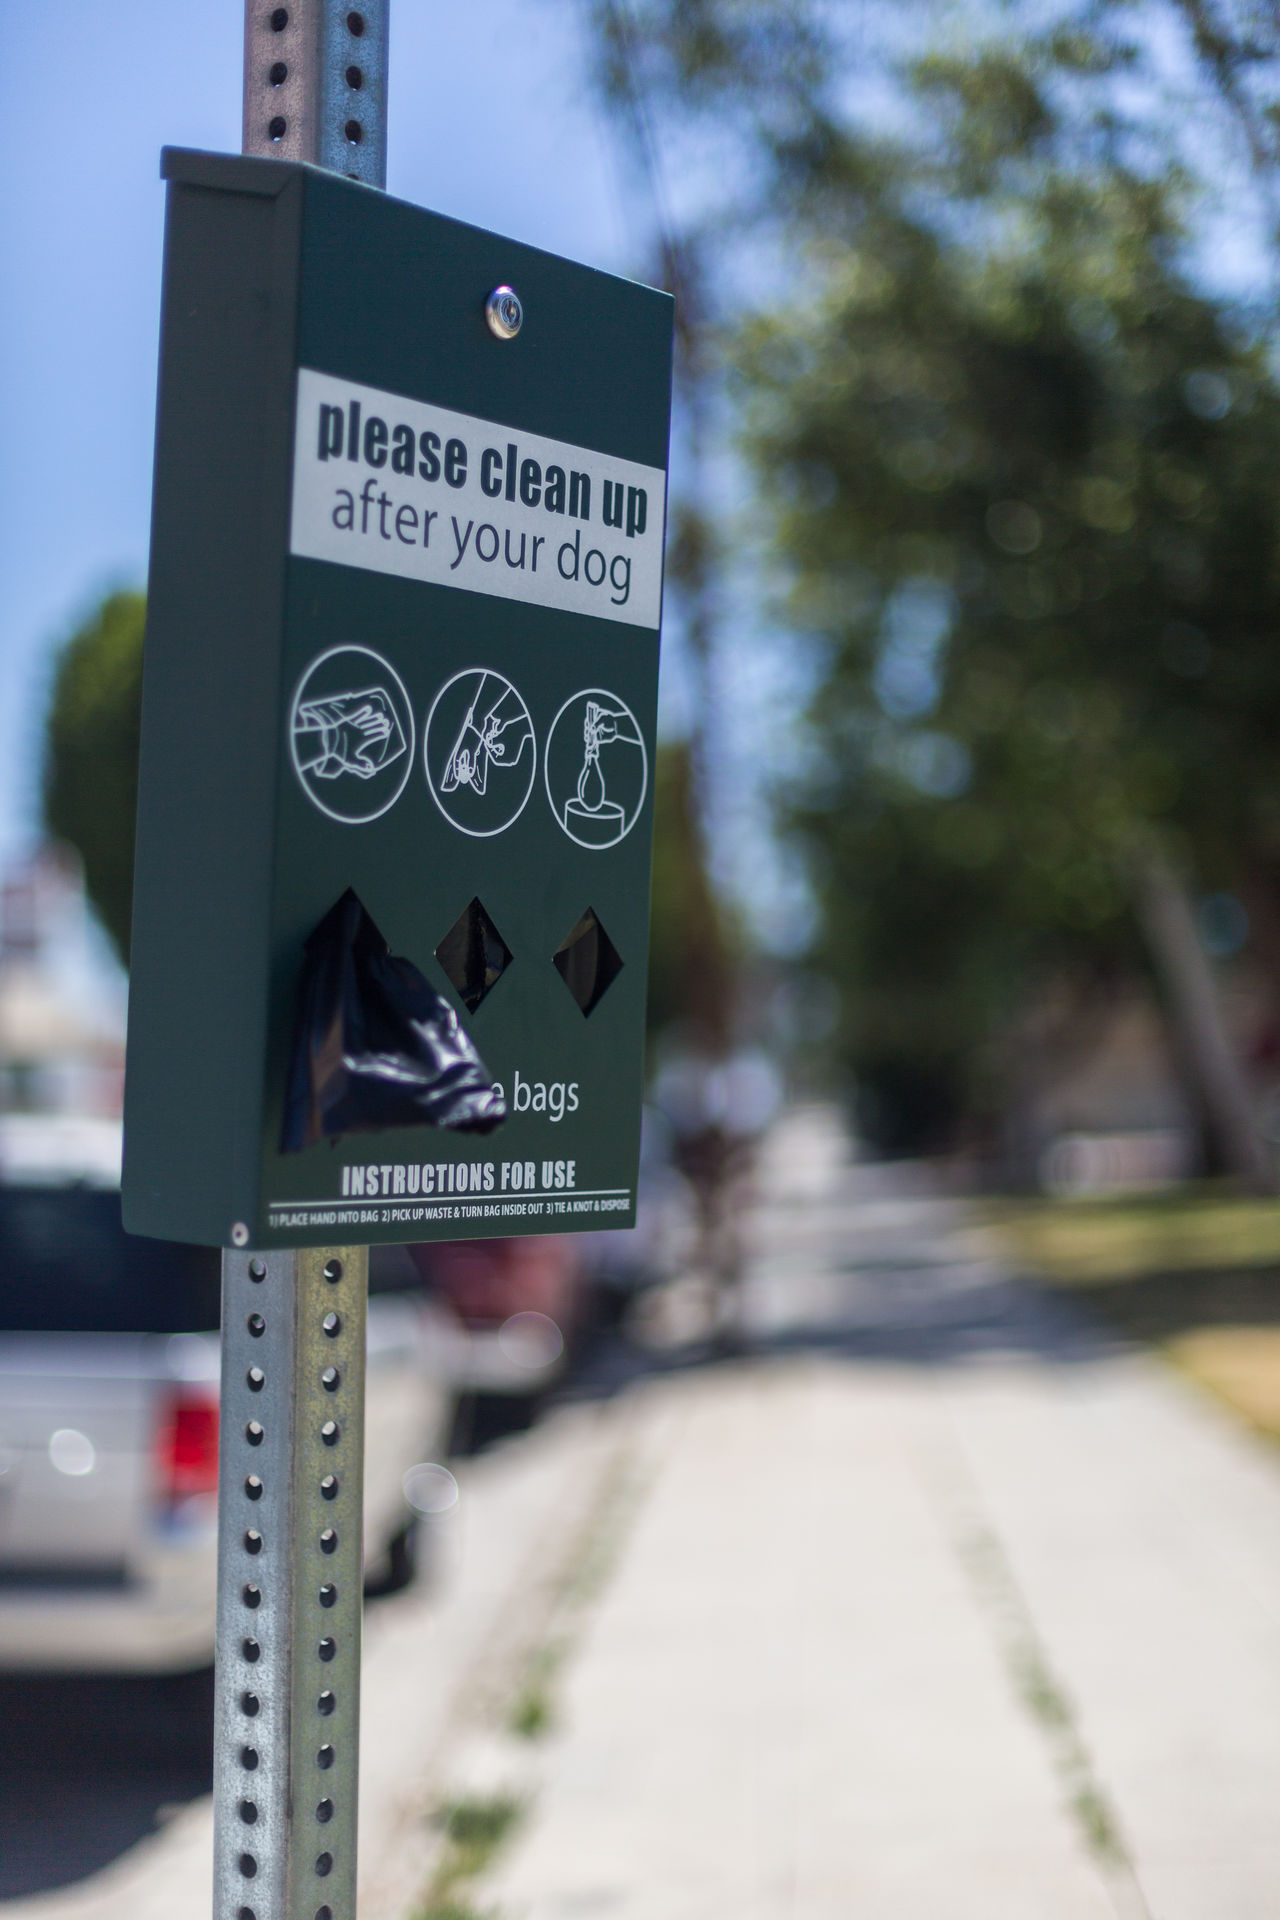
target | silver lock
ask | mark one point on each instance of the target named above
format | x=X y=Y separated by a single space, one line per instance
x=504 y=313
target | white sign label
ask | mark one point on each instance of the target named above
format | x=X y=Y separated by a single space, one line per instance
x=401 y=487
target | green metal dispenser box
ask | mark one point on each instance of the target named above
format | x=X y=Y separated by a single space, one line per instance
x=402 y=644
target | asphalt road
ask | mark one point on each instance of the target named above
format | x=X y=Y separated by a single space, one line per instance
x=91 y=1764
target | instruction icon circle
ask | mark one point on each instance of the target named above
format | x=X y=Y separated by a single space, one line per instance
x=596 y=768
x=351 y=734
x=479 y=752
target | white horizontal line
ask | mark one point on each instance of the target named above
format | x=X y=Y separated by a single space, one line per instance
x=433 y=1199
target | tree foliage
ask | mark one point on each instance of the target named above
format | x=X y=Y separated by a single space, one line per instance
x=1031 y=511
x=1016 y=463
x=91 y=754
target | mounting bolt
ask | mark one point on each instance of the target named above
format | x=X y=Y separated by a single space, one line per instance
x=504 y=313
x=239 y=1234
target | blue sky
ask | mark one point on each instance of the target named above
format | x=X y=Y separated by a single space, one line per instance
x=490 y=120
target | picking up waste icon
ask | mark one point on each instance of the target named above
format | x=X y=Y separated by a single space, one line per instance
x=479 y=752
x=351 y=734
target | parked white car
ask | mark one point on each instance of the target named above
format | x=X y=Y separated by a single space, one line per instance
x=109 y=1415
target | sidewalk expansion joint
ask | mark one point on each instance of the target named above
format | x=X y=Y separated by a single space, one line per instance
x=1003 y=1606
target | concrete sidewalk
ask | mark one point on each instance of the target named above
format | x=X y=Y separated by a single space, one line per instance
x=941 y=1607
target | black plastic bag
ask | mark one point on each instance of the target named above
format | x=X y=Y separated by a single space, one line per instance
x=374 y=1045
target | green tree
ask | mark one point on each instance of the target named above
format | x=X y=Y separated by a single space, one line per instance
x=91 y=754
x=1030 y=510
x=1016 y=464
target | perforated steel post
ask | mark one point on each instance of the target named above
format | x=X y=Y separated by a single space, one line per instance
x=291 y=1460
x=315 y=85
x=290 y=1499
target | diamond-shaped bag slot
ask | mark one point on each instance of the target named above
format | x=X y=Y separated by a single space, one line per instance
x=474 y=955
x=587 y=961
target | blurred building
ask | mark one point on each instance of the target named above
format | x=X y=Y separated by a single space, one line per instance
x=62 y=998
x=1100 y=1101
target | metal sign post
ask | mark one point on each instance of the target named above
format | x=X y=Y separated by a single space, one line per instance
x=291 y=1460
x=315 y=85
x=291 y=1450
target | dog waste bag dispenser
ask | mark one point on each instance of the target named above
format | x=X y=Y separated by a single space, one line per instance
x=396 y=787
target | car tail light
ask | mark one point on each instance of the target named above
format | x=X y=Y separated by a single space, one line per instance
x=187 y=1446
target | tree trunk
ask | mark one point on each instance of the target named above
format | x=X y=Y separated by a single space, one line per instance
x=1165 y=915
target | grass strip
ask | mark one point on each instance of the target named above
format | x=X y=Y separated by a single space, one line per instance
x=1200 y=1226
x=1193 y=1273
